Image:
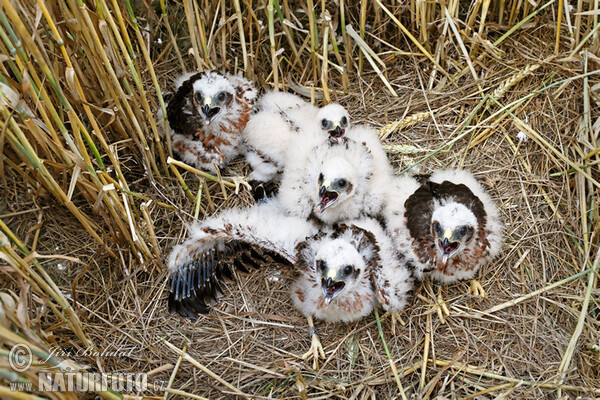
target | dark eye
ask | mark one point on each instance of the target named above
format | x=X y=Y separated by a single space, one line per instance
x=198 y=97
x=344 y=121
x=342 y=182
x=463 y=231
x=221 y=96
x=437 y=227
x=320 y=178
x=321 y=265
x=348 y=270
x=324 y=123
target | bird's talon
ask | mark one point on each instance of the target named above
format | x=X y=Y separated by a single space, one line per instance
x=441 y=308
x=476 y=289
x=240 y=181
x=316 y=351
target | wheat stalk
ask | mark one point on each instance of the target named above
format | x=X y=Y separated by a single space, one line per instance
x=392 y=127
x=501 y=90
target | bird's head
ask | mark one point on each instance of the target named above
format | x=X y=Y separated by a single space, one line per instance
x=211 y=95
x=453 y=226
x=339 y=259
x=337 y=182
x=340 y=267
x=335 y=121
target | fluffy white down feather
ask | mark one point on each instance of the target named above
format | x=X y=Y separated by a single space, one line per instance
x=268 y=134
x=299 y=190
x=399 y=190
x=368 y=136
x=274 y=101
x=263 y=224
x=392 y=275
x=387 y=285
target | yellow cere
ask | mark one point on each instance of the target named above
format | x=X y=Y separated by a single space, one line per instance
x=331 y=274
x=447 y=234
x=326 y=182
x=207 y=101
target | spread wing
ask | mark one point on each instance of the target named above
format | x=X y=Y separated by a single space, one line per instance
x=242 y=239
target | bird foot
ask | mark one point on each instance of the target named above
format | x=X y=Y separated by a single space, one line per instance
x=240 y=181
x=441 y=308
x=316 y=351
x=476 y=289
x=396 y=317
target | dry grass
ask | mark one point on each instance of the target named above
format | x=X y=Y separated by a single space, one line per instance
x=90 y=202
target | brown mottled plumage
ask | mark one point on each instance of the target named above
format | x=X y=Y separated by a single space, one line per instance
x=447 y=223
x=344 y=270
x=419 y=209
x=207 y=115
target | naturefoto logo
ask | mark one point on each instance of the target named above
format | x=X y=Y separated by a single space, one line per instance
x=91 y=382
x=63 y=377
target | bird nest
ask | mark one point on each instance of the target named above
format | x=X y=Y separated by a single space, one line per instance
x=523 y=119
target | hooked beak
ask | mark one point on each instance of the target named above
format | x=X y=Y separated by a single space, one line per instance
x=326 y=197
x=448 y=248
x=209 y=112
x=331 y=288
x=445 y=256
x=335 y=135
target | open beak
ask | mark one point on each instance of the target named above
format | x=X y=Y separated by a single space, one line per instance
x=448 y=247
x=331 y=288
x=336 y=134
x=326 y=197
x=209 y=112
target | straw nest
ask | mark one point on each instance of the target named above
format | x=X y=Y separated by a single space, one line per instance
x=91 y=203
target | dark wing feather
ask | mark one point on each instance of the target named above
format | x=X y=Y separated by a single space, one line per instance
x=196 y=285
x=422 y=178
x=462 y=194
x=180 y=122
x=262 y=191
x=418 y=211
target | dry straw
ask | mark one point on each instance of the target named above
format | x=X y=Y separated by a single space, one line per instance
x=92 y=198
